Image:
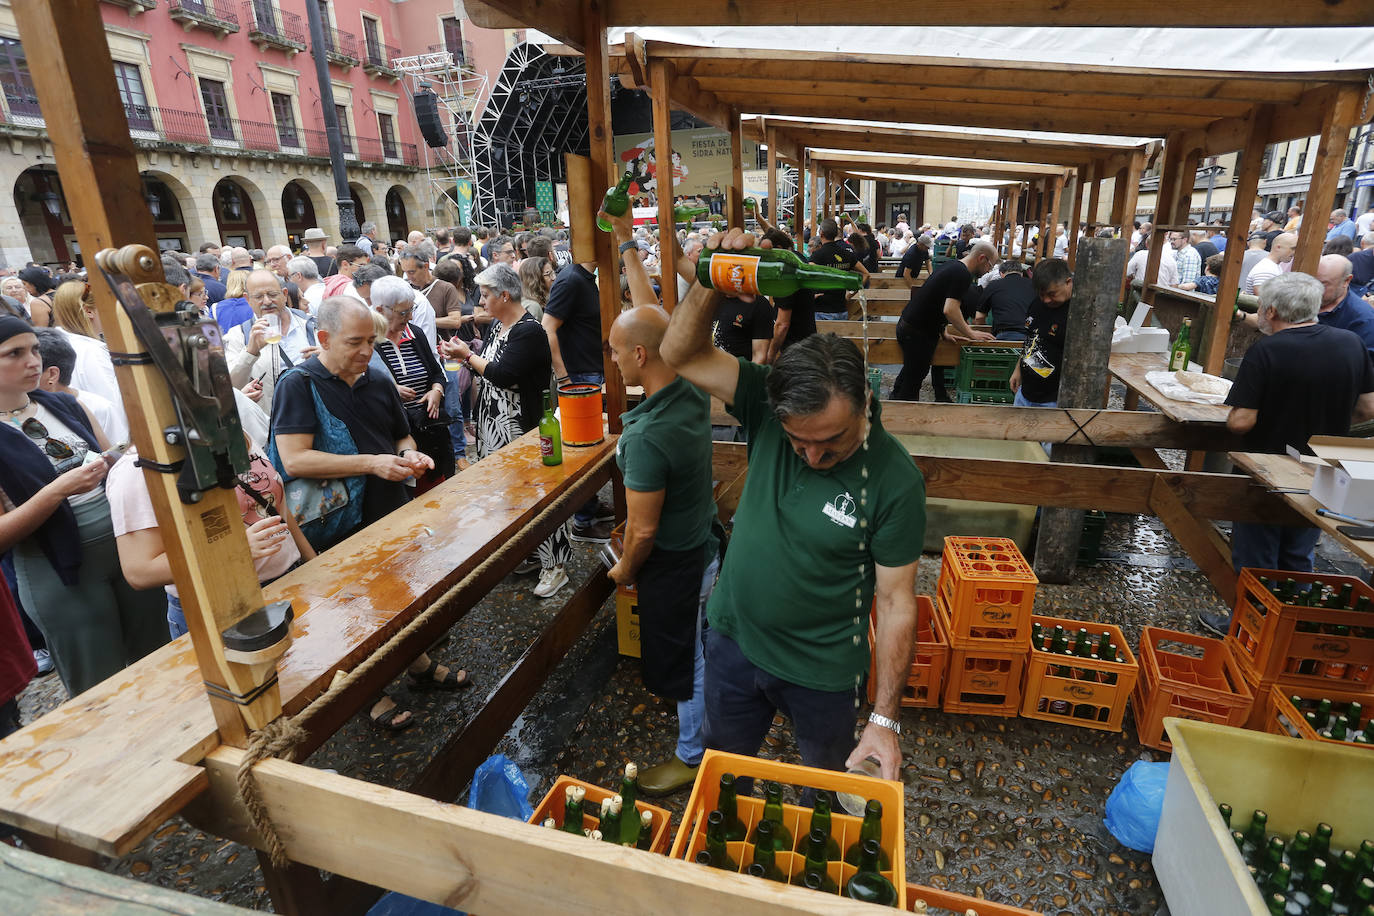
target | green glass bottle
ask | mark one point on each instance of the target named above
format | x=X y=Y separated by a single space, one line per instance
x=868 y=883
x=646 y=830
x=617 y=201
x=755 y=870
x=572 y=809
x=1225 y=811
x=816 y=844
x=1254 y=833
x=1321 y=842
x=610 y=820
x=685 y=214
x=1279 y=879
x=1322 y=900
x=629 y=792
x=750 y=204
x=1315 y=876
x=703 y=858
x=550 y=435
x=1239 y=839
x=772 y=814
x=1364 y=860
x=728 y=806
x=550 y=823
x=1341 y=874
x=768 y=272
x=1300 y=851
x=870 y=829
x=1277 y=904
x=820 y=820
x=715 y=843
x=1183 y=348
x=1273 y=855
x=765 y=853
x=1364 y=892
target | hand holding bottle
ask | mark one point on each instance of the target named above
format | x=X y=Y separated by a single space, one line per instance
x=881 y=744
x=622 y=225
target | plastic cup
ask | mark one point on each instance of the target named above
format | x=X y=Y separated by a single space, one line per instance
x=452 y=364
x=608 y=554
x=273 y=327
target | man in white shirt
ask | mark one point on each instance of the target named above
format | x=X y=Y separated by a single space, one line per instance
x=1186 y=258
x=255 y=364
x=1168 y=268
x=59 y=360
x=305 y=273
x=1279 y=260
x=1365 y=221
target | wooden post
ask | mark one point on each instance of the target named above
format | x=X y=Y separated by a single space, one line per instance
x=1164 y=210
x=1056 y=191
x=1075 y=213
x=1047 y=205
x=602 y=147
x=1340 y=115
x=771 y=138
x=97 y=163
x=736 y=170
x=1094 y=191
x=1019 y=222
x=1247 y=183
x=798 y=200
x=997 y=219
x=663 y=155
x=1082 y=383
x=815 y=189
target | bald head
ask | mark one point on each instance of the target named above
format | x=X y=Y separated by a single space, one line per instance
x=1334 y=272
x=981 y=257
x=634 y=340
x=1283 y=247
x=642 y=326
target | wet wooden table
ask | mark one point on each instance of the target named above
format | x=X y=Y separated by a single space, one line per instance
x=1131 y=369
x=1291 y=481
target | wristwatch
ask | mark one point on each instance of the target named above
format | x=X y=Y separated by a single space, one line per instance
x=891 y=725
x=626 y=246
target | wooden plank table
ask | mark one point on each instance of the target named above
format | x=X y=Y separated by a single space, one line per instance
x=1291 y=480
x=1130 y=368
x=107 y=767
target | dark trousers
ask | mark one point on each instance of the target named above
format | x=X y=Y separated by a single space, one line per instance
x=918 y=349
x=741 y=699
x=1272 y=546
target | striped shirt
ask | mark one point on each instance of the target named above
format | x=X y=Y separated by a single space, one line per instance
x=405 y=364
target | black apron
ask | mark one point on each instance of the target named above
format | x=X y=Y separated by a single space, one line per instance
x=669 y=590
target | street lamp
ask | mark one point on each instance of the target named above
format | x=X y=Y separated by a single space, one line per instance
x=1212 y=170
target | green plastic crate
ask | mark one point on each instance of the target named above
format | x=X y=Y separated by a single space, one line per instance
x=1005 y=396
x=986 y=369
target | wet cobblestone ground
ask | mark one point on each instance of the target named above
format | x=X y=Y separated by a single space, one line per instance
x=1007 y=809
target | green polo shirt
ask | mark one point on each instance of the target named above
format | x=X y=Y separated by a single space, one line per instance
x=666 y=445
x=804 y=541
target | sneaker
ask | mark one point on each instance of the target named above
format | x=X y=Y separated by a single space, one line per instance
x=45 y=665
x=595 y=533
x=603 y=512
x=1216 y=624
x=528 y=565
x=550 y=581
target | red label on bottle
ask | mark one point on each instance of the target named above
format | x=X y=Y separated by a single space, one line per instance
x=735 y=273
x=546 y=446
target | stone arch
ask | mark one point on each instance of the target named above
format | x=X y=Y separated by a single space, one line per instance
x=410 y=216
x=366 y=205
x=320 y=210
x=189 y=221
x=37 y=192
x=242 y=212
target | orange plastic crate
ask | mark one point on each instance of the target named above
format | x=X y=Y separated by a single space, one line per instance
x=691 y=835
x=984 y=683
x=1265 y=637
x=553 y=801
x=1106 y=701
x=1209 y=688
x=987 y=588
x=1283 y=718
x=922 y=688
x=939 y=901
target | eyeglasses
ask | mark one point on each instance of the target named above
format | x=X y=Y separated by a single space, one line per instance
x=404 y=313
x=53 y=448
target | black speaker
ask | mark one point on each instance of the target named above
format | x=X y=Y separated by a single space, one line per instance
x=427 y=114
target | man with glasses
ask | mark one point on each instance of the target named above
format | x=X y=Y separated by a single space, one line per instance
x=503 y=250
x=277 y=338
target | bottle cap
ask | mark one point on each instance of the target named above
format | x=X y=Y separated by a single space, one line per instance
x=646 y=818
x=631 y=771
x=595 y=834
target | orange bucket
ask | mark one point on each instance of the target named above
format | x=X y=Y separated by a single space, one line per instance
x=579 y=410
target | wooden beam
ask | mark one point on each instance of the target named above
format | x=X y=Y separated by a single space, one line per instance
x=1052 y=223
x=1170 y=186
x=482 y=863
x=685 y=94
x=873 y=139
x=962 y=168
x=1326 y=172
x=1198 y=537
x=736 y=173
x=1075 y=214
x=1096 y=169
x=561 y=19
x=663 y=154
x=1124 y=196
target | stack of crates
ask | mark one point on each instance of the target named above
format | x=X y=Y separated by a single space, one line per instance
x=1089 y=692
x=984 y=598
x=983 y=374
x=1313 y=652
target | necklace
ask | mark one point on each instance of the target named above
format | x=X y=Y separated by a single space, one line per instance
x=11 y=414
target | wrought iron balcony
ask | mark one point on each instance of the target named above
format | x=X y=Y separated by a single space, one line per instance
x=341 y=48
x=212 y=15
x=270 y=26
x=459 y=56
x=379 y=58
x=134 y=6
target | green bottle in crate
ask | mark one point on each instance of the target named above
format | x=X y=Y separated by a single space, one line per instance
x=817 y=843
x=715 y=843
x=870 y=829
x=1277 y=904
x=629 y=793
x=820 y=820
x=765 y=853
x=646 y=830
x=1254 y=834
x=868 y=883
x=728 y=806
x=772 y=815
x=572 y=810
x=610 y=819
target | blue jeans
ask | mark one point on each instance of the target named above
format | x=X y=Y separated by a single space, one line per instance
x=1272 y=547
x=1012 y=335
x=832 y=316
x=586 y=516
x=454 y=399
x=691 y=714
x=176 y=617
x=741 y=699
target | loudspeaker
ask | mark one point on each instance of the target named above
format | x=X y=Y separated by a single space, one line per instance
x=427 y=114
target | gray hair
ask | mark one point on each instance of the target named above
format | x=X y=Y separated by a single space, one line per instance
x=1294 y=297
x=1339 y=215
x=207 y=263
x=390 y=292
x=501 y=278
x=56 y=351
x=414 y=253
x=368 y=227
x=1367 y=238
x=808 y=374
x=335 y=309
x=369 y=273
x=176 y=273
x=304 y=266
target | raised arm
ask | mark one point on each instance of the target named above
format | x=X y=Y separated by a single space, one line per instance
x=641 y=288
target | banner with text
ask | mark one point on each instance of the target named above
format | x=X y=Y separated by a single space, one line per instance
x=701 y=161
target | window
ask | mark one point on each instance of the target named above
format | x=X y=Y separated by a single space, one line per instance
x=388 y=132
x=216 y=106
x=15 y=80
x=373 y=40
x=341 y=113
x=328 y=32
x=129 y=79
x=264 y=17
x=453 y=38
x=285 y=117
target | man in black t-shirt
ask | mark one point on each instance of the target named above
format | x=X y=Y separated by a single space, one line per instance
x=572 y=321
x=923 y=320
x=1007 y=301
x=829 y=304
x=1036 y=376
x=744 y=329
x=916 y=256
x=1302 y=379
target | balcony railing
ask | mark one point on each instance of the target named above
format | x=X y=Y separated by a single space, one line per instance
x=379 y=57
x=271 y=26
x=213 y=15
x=459 y=56
x=341 y=47
x=134 y=6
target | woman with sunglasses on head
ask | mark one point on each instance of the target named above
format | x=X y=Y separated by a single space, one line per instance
x=54 y=515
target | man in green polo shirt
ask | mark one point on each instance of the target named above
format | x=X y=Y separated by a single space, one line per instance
x=832 y=513
x=670 y=553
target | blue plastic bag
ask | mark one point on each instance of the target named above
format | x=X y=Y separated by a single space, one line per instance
x=1135 y=804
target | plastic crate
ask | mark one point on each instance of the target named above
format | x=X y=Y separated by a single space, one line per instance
x=1107 y=701
x=987 y=397
x=1265 y=637
x=691 y=835
x=928 y=664
x=983 y=682
x=1283 y=718
x=986 y=369
x=553 y=801
x=626 y=606
x=987 y=589
x=937 y=902
x=1209 y=687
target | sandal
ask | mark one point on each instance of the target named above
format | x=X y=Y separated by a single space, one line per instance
x=386 y=721
x=451 y=681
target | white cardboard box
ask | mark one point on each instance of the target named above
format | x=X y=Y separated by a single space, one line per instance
x=1343 y=474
